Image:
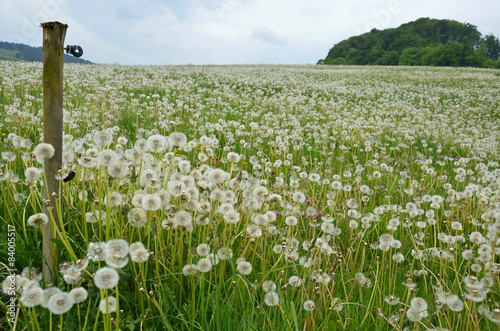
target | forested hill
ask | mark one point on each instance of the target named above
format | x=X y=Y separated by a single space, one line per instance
x=425 y=41
x=18 y=52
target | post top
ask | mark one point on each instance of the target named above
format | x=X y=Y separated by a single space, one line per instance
x=52 y=24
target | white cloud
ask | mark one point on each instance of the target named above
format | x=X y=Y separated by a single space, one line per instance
x=268 y=35
x=224 y=31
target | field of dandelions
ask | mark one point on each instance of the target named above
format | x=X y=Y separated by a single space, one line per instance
x=256 y=198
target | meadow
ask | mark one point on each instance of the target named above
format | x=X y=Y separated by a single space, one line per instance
x=256 y=198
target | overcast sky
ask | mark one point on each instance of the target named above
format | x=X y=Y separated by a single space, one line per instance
x=224 y=31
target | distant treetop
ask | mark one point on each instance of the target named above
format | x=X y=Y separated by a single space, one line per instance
x=426 y=41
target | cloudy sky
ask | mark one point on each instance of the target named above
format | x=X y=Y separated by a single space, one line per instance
x=224 y=31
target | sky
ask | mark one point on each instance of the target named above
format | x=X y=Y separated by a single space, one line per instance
x=162 y=32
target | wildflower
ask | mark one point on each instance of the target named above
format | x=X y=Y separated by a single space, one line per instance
x=336 y=304
x=204 y=265
x=72 y=276
x=352 y=204
x=185 y=167
x=47 y=294
x=32 y=174
x=118 y=170
x=102 y=138
x=38 y=220
x=271 y=299
x=138 y=253
x=291 y=220
x=244 y=268
x=116 y=261
x=231 y=217
x=398 y=258
x=190 y=269
x=25 y=143
x=254 y=231
x=183 y=218
x=106 y=278
x=217 y=176
x=108 y=305
x=114 y=199
x=386 y=239
x=224 y=208
x=164 y=197
x=299 y=197
x=308 y=305
x=31 y=274
x=233 y=157
x=122 y=140
x=91 y=217
x=137 y=217
x=117 y=246
x=392 y=300
x=202 y=157
x=107 y=158
x=157 y=143
x=419 y=304
x=79 y=294
x=476 y=295
x=224 y=253
x=476 y=238
x=456 y=304
x=32 y=297
x=268 y=286
x=260 y=193
x=203 y=250
x=151 y=202
x=177 y=139
x=44 y=151
x=148 y=178
x=494 y=316
x=295 y=281
x=415 y=315
x=60 y=303
x=327 y=228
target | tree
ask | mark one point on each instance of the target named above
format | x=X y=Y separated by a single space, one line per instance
x=411 y=56
x=422 y=42
x=389 y=59
x=491 y=47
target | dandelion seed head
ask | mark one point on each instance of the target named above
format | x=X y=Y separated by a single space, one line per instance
x=79 y=294
x=106 y=278
x=108 y=306
x=244 y=268
x=204 y=265
x=38 y=220
x=32 y=297
x=44 y=151
x=60 y=303
x=271 y=299
x=308 y=305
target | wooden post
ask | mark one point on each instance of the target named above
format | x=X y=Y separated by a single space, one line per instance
x=53 y=62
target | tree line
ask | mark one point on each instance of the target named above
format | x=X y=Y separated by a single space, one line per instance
x=34 y=54
x=427 y=42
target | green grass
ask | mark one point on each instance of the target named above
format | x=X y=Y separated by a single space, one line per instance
x=391 y=137
x=8 y=54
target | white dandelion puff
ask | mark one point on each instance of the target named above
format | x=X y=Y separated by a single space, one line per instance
x=60 y=303
x=244 y=268
x=106 y=278
x=108 y=305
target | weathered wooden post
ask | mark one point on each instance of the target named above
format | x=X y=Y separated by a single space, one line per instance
x=53 y=62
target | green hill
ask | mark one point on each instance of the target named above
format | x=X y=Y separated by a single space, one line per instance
x=426 y=41
x=21 y=52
